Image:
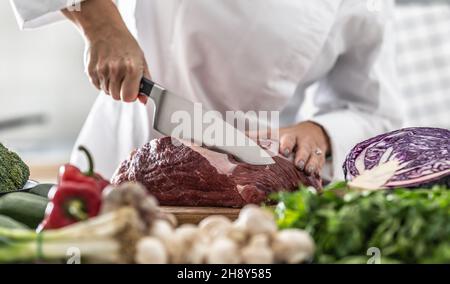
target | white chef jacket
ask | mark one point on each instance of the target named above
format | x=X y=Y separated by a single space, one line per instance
x=251 y=55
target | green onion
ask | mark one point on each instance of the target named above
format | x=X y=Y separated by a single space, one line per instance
x=106 y=238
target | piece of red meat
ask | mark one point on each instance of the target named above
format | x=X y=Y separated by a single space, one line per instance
x=177 y=174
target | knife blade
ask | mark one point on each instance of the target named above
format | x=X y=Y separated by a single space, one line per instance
x=169 y=108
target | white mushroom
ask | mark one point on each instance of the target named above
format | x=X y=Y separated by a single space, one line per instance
x=196 y=254
x=161 y=229
x=258 y=251
x=238 y=235
x=174 y=248
x=213 y=222
x=150 y=250
x=187 y=234
x=255 y=220
x=172 y=219
x=215 y=226
x=187 y=245
x=223 y=251
x=293 y=246
x=260 y=240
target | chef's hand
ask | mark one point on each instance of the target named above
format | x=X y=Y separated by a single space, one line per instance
x=114 y=60
x=115 y=64
x=308 y=142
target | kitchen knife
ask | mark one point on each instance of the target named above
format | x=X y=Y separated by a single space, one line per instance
x=168 y=107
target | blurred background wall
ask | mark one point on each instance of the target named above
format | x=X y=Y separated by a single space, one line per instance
x=423 y=60
x=41 y=75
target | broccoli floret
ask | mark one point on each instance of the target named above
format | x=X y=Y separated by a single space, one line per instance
x=14 y=173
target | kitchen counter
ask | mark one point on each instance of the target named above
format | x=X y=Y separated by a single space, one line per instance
x=44 y=159
x=44 y=173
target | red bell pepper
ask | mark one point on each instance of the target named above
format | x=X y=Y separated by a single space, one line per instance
x=71 y=173
x=71 y=202
x=77 y=196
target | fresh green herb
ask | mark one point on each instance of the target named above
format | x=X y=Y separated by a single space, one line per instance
x=407 y=226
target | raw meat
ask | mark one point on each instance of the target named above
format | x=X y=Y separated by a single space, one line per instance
x=194 y=176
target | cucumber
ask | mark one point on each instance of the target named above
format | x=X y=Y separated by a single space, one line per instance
x=25 y=208
x=41 y=189
x=10 y=223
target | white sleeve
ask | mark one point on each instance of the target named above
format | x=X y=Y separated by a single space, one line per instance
x=32 y=13
x=359 y=98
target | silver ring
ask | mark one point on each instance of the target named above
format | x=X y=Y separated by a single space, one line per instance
x=318 y=152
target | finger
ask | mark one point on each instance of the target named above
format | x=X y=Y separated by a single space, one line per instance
x=266 y=134
x=130 y=88
x=322 y=158
x=302 y=155
x=315 y=162
x=143 y=99
x=91 y=69
x=114 y=87
x=104 y=83
x=93 y=78
x=130 y=85
x=103 y=76
x=287 y=144
x=117 y=74
x=252 y=134
x=259 y=134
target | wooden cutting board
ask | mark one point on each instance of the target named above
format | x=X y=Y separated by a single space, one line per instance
x=193 y=215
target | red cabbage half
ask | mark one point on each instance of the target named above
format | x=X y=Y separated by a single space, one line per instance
x=421 y=157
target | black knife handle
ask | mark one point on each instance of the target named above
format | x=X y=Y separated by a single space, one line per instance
x=146 y=87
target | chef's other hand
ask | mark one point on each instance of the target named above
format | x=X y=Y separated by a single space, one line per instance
x=309 y=143
x=114 y=60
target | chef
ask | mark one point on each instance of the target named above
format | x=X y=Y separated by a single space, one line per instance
x=236 y=55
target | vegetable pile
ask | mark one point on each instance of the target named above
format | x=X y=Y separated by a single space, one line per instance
x=14 y=173
x=407 y=226
x=111 y=237
x=76 y=197
x=131 y=229
x=407 y=158
x=124 y=225
x=396 y=200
